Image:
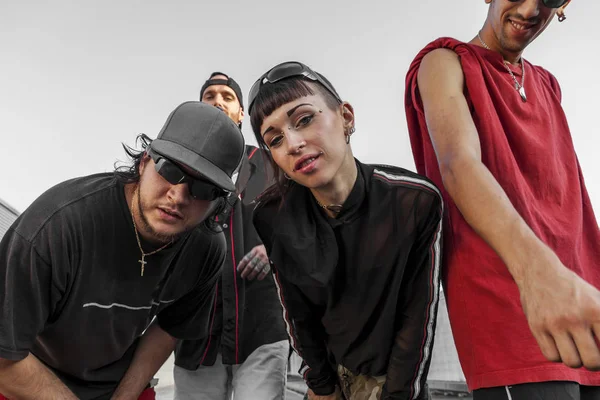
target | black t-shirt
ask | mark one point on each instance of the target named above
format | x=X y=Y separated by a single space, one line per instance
x=72 y=291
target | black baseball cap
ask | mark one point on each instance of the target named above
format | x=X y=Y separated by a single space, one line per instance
x=227 y=82
x=204 y=139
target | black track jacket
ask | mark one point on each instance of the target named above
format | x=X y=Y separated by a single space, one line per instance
x=360 y=290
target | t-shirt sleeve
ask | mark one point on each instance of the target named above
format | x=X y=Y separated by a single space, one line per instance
x=189 y=316
x=26 y=298
x=554 y=85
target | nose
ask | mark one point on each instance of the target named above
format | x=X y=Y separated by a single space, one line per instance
x=295 y=141
x=179 y=194
x=218 y=102
x=530 y=8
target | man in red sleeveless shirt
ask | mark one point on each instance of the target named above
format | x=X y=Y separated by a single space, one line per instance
x=522 y=242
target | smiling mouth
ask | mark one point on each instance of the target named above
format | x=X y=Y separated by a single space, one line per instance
x=305 y=161
x=521 y=26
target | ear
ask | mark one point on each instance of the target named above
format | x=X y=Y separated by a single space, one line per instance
x=561 y=10
x=347 y=114
x=241 y=115
x=143 y=162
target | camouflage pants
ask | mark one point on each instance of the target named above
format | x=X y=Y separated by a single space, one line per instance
x=359 y=387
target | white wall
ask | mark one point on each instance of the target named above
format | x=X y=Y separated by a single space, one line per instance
x=78 y=77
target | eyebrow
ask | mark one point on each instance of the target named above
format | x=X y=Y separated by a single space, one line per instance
x=291 y=111
x=289 y=114
x=226 y=90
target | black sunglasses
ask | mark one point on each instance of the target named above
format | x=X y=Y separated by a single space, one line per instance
x=549 y=3
x=287 y=70
x=199 y=188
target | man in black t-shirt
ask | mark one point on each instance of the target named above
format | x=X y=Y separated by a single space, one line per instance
x=101 y=274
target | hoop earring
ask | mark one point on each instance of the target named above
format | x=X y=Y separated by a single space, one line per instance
x=286 y=176
x=349 y=133
x=561 y=17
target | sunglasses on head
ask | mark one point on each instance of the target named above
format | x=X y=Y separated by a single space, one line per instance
x=199 y=188
x=549 y=3
x=283 y=71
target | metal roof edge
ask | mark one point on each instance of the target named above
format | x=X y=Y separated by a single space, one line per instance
x=9 y=208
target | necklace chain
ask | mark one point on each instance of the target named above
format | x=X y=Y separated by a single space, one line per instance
x=520 y=87
x=137 y=236
x=334 y=208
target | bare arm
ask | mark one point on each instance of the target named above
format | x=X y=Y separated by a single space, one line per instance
x=563 y=311
x=477 y=194
x=155 y=347
x=30 y=379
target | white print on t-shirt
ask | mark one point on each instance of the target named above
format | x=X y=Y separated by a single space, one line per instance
x=105 y=306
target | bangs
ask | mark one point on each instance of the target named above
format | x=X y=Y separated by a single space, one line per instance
x=274 y=95
x=270 y=98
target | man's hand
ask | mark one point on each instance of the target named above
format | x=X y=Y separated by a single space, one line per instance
x=255 y=264
x=563 y=312
x=334 y=396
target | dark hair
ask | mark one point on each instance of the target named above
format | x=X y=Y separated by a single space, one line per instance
x=270 y=98
x=130 y=173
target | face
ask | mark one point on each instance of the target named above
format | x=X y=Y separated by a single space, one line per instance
x=517 y=23
x=224 y=97
x=167 y=211
x=307 y=140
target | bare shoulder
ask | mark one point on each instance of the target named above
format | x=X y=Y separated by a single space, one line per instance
x=439 y=70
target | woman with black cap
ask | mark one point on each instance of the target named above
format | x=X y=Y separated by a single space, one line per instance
x=355 y=248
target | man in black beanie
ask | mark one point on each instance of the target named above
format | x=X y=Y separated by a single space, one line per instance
x=247 y=350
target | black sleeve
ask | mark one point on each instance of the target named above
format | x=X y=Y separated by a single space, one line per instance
x=302 y=319
x=251 y=238
x=189 y=316
x=411 y=353
x=27 y=295
x=307 y=336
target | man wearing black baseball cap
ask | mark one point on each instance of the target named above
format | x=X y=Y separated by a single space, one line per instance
x=247 y=350
x=102 y=273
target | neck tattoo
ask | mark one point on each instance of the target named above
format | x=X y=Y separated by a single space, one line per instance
x=519 y=87
x=142 y=261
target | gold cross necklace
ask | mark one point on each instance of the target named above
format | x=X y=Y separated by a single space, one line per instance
x=144 y=255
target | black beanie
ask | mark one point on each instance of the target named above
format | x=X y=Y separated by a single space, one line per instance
x=227 y=82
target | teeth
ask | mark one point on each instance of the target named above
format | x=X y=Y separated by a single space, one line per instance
x=307 y=161
x=518 y=26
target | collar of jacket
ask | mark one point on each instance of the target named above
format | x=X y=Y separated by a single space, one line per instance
x=304 y=245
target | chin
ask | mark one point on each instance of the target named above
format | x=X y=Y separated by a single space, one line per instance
x=164 y=232
x=315 y=182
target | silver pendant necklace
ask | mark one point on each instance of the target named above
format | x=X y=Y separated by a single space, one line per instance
x=519 y=87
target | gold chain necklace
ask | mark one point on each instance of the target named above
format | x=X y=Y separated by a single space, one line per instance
x=144 y=255
x=334 y=208
x=519 y=87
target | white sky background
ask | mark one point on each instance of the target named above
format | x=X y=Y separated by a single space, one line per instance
x=79 y=77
